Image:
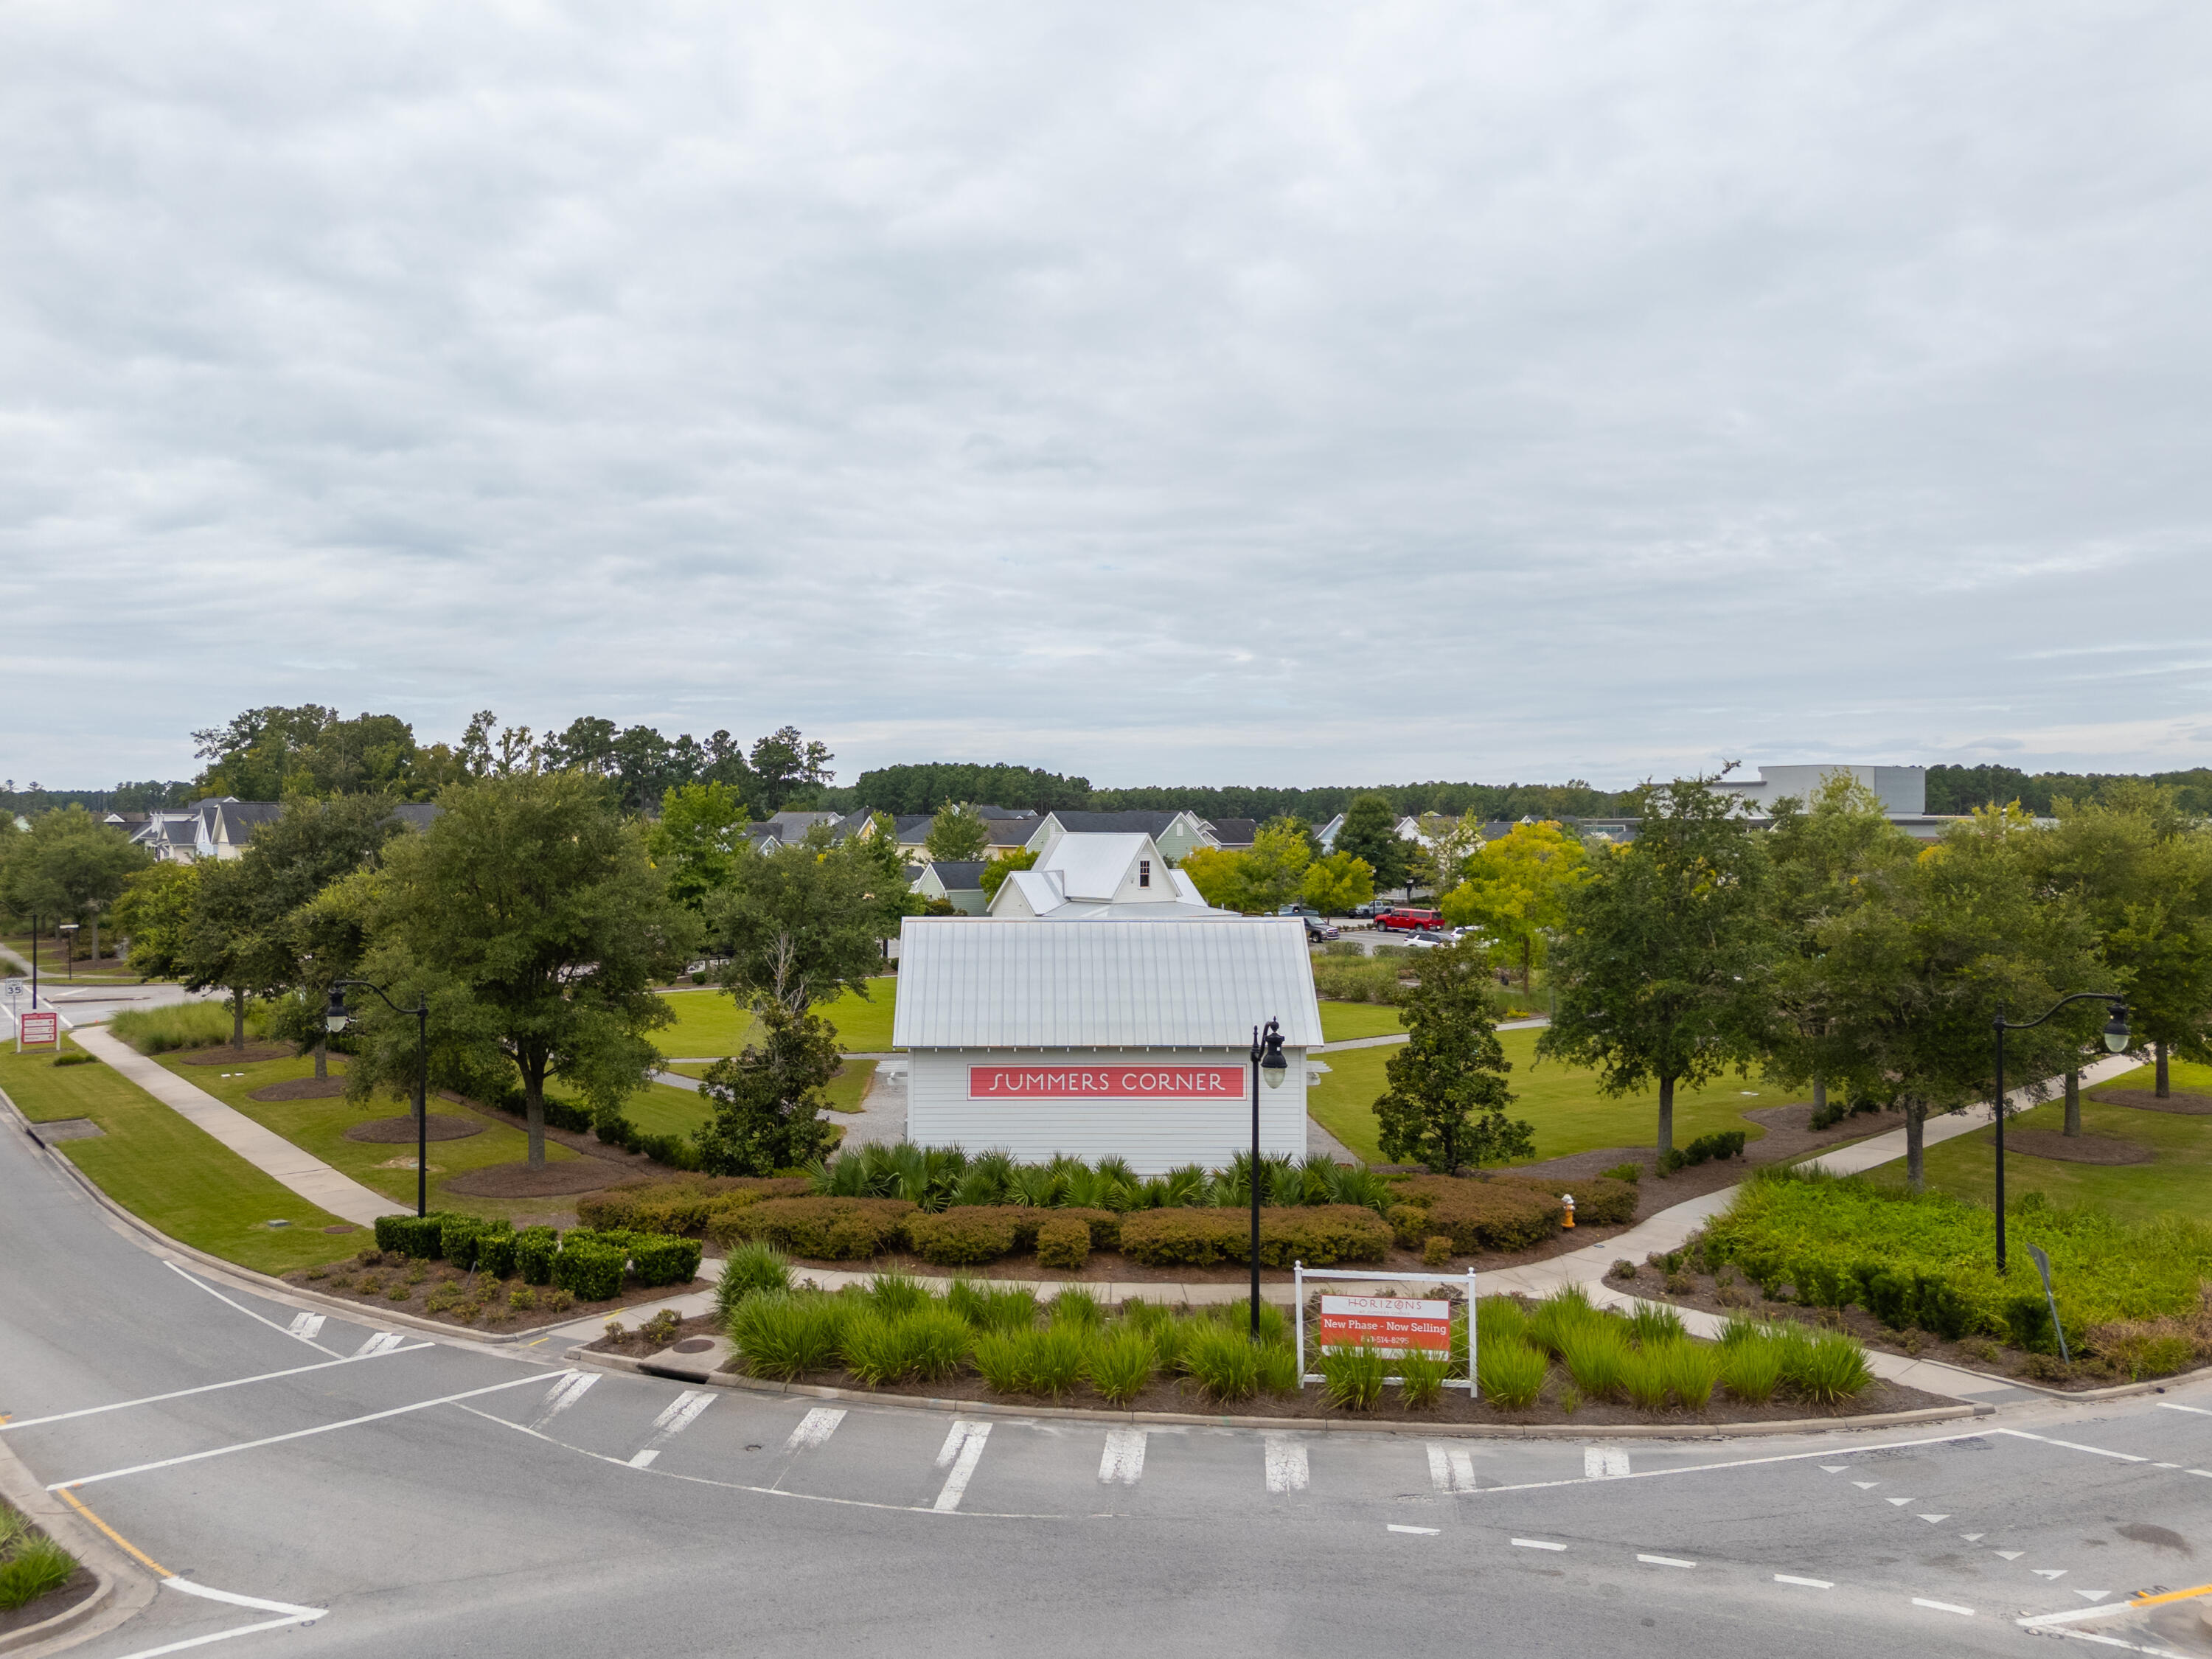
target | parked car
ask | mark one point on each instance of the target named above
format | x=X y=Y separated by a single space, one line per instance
x=1318 y=927
x=1372 y=908
x=1295 y=909
x=1436 y=941
x=1399 y=919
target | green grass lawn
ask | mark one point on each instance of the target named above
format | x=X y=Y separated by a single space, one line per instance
x=1560 y=1102
x=1340 y=1022
x=178 y=1177
x=709 y=1023
x=844 y=1090
x=318 y=1126
x=2173 y=1183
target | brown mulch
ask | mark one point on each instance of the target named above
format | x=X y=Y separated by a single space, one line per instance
x=71 y=1591
x=303 y=1088
x=1788 y=1135
x=2145 y=1100
x=2076 y=1149
x=575 y=1141
x=581 y=1175
x=696 y=1328
x=224 y=1054
x=398 y=1131
x=390 y=1274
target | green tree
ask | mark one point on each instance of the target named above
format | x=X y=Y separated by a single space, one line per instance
x=1218 y=875
x=1663 y=961
x=155 y=911
x=1447 y=1099
x=997 y=869
x=1940 y=943
x=529 y=917
x=1334 y=884
x=69 y=867
x=1275 y=869
x=801 y=923
x=699 y=840
x=768 y=1101
x=1515 y=889
x=957 y=835
x=784 y=764
x=1369 y=831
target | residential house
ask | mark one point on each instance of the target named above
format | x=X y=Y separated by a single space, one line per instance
x=1233 y=835
x=1102 y=877
x=1175 y=835
x=220 y=827
x=959 y=883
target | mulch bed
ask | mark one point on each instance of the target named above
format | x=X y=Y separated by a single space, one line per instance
x=303 y=1088
x=575 y=1141
x=2144 y=1100
x=1703 y=1290
x=696 y=1328
x=400 y=1131
x=72 y=1590
x=224 y=1054
x=390 y=1274
x=582 y=1174
x=2076 y=1149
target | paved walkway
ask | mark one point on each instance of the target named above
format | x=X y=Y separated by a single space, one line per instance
x=267 y=1151
x=1389 y=1039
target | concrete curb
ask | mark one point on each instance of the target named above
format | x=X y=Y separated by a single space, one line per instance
x=614 y=1362
x=123 y=1588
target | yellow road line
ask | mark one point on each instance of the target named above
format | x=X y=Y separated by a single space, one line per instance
x=78 y=1504
x=2171 y=1595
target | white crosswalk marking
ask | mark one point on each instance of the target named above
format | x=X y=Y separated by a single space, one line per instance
x=644 y=1459
x=817 y=1426
x=565 y=1393
x=963 y=1451
x=1451 y=1469
x=305 y=1325
x=382 y=1342
x=1124 y=1461
x=683 y=1411
x=1286 y=1464
x=1604 y=1463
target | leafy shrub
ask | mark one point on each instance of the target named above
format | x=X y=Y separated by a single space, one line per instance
x=2154 y=1347
x=1064 y=1245
x=1631 y=1173
x=1750 y=1371
x=460 y=1236
x=1624 y=1270
x=495 y=1253
x=1475 y=1215
x=962 y=1238
x=421 y=1237
x=1509 y=1373
x=824 y=1229
x=1721 y=1144
x=534 y=1251
x=1121 y=1365
x=1600 y=1201
x=1691 y=1369
x=1436 y=1250
x=587 y=1269
x=521 y=1299
x=1222 y=1362
x=752 y=1269
x=1358 y=979
x=1318 y=1235
x=679 y=1206
x=1423 y=1379
x=657 y=1259
x=73 y=1057
x=660 y=1329
x=1352 y=1376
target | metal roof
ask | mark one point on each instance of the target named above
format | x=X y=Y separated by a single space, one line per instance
x=976 y=984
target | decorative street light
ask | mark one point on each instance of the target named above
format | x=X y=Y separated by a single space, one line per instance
x=2115 y=1039
x=1266 y=1061
x=67 y=934
x=337 y=1018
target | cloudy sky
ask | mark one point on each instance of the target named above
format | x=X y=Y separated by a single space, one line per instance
x=1239 y=392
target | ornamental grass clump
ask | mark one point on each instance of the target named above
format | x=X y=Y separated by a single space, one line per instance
x=1121 y=1364
x=1596 y=1357
x=1352 y=1376
x=782 y=1334
x=1279 y=1368
x=1036 y=1362
x=31 y=1564
x=1076 y=1306
x=1224 y=1363
x=873 y=1352
x=1643 y=1378
x=1826 y=1370
x=1498 y=1319
x=753 y=1268
x=1750 y=1371
x=1690 y=1369
x=1421 y=1379
x=1565 y=1310
x=895 y=1292
x=1509 y=1373
x=1652 y=1323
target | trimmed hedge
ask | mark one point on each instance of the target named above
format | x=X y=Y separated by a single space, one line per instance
x=420 y=1236
x=589 y=1269
x=680 y=1207
x=1319 y=1235
x=1475 y=1215
x=534 y=1250
x=824 y=1229
x=1600 y=1201
x=463 y=1236
x=1064 y=1243
x=656 y=1259
x=495 y=1253
x=965 y=1236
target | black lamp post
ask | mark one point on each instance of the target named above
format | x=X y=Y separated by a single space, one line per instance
x=2116 y=1038
x=67 y=934
x=336 y=1019
x=1266 y=1060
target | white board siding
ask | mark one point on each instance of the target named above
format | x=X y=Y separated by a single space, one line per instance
x=1154 y=1135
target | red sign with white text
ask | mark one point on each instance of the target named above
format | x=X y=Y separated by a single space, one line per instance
x=37 y=1030
x=1390 y=1324
x=1105 y=1082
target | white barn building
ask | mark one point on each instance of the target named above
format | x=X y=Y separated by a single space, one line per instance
x=1128 y=1038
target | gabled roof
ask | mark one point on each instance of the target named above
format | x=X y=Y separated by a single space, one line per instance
x=959 y=875
x=1234 y=832
x=1109 y=985
x=1112 y=824
x=1090 y=866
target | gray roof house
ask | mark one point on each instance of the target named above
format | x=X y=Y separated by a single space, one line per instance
x=959 y=883
x=1177 y=834
x=220 y=826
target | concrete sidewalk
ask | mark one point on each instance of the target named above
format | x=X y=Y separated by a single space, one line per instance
x=267 y=1151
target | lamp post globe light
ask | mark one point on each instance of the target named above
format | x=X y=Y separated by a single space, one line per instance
x=337 y=1018
x=2116 y=1040
x=1268 y=1062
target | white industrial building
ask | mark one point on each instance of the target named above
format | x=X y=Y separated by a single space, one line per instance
x=1119 y=1037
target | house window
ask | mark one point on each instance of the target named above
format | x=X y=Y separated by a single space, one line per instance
x=1144 y=872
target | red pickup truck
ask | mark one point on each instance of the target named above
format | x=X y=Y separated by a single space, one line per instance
x=1400 y=920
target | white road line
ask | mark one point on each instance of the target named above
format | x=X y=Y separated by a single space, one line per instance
x=2048 y=1573
x=237 y=1600
x=2197 y=1411
x=564 y=1394
x=1932 y=1519
x=1287 y=1470
x=219 y=1635
x=204 y=1388
x=289 y=1616
x=963 y=1449
x=1748 y=1463
x=1664 y=1561
x=1122 y=1462
x=2092 y=1595
x=296 y=1434
x=644 y=1460
x=1973 y=1537
x=1604 y=1463
x=2072 y=1445
x=1899 y=1502
x=1943 y=1607
x=241 y=1308
x=1809 y=1584
x=1451 y=1469
x=307 y=1326
x=1418 y=1532
x=1833 y=1469
x=1865 y=1485
x=2009 y=1555
x=815 y=1429
x=383 y=1342
x=1535 y=1544
x=683 y=1411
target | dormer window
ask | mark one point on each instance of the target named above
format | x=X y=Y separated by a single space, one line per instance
x=1144 y=872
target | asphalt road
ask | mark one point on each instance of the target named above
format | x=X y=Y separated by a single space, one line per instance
x=443 y=1497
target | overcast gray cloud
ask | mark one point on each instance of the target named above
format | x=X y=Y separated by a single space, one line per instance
x=1241 y=393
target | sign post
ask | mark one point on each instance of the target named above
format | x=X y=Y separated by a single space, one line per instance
x=42 y=1029
x=2043 y=1266
x=1392 y=1324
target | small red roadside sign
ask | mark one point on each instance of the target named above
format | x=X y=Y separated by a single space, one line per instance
x=39 y=1031
x=1391 y=1323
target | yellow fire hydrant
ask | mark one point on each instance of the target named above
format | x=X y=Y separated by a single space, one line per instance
x=1568 y=1201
